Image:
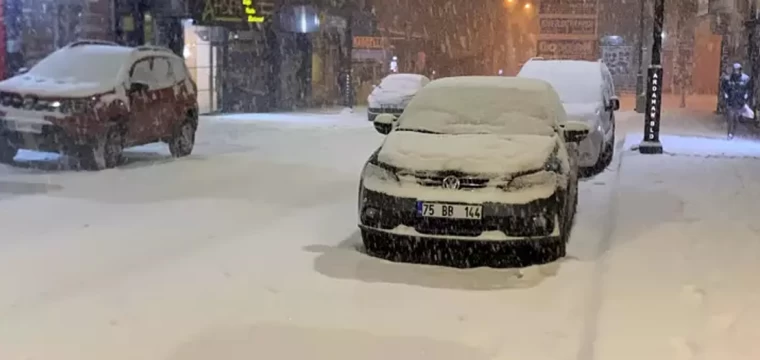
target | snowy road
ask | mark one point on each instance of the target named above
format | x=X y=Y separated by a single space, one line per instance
x=247 y=250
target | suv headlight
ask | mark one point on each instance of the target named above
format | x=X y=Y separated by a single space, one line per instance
x=377 y=172
x=538 y=178
x=554 y=164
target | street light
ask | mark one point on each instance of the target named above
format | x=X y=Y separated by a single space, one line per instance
x=527 y=6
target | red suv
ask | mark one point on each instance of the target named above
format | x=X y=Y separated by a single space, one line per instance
x=92 y=99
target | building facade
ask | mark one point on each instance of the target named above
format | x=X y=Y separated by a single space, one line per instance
x=34 y=28
x=246 y=56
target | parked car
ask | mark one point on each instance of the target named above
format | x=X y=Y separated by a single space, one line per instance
x=478 y=171
x=588 y=94
x=394 y=93
x=92 y=99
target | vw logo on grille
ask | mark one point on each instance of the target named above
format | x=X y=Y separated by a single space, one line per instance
x=450 y=182
x=29 y=102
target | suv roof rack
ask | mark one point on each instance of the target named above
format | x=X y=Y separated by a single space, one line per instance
x=537 y=58
x=91 y=42
x=153 y=48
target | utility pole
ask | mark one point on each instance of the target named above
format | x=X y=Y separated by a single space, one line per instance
x=640 y=95
x=753 y=52
x=651 y=143
x=347 y=63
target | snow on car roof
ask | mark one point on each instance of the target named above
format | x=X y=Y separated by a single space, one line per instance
x=576 y=81
x=491 y=104
x=404 y=76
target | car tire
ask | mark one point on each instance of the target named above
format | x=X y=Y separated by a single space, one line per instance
x=106 y=153
x=183 y=141
x=7 y=151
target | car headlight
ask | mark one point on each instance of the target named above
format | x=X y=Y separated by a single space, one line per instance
x=539 y=178
x=554 y=164
x=377 y=172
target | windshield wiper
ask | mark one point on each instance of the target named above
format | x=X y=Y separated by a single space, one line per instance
x=422 y=131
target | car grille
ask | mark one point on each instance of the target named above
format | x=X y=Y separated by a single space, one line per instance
x=11 y=100
x=393 y=111
x=14 y=100
x=465 y=183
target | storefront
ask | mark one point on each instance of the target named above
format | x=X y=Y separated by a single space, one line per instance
x=157 y=22
x=201 y=51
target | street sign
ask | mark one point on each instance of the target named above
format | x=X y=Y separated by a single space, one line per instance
x=651 y=143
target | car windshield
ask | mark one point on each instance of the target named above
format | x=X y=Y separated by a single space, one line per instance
x=575 y=82
x=80 y=66
x=476 y=109
x=402 y=81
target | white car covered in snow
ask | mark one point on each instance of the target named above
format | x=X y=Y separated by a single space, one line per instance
x=478 y=171
x=394 y=93
x=588 y=94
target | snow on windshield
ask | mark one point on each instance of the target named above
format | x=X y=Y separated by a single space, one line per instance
x=574 y=81
x=402 y=81
x=87 y=64
x=480 y=104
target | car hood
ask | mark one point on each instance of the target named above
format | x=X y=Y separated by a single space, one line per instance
x=47 y=87
x=478 y=154
x=583 y=112
x=384 y=97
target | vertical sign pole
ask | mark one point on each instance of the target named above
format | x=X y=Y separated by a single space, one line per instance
x=651 y=143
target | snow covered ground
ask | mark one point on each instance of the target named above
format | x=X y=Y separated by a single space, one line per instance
x=247 y=250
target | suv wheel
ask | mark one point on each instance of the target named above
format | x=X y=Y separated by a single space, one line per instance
x=183 y=141
x=105 y=153
x=7 y=151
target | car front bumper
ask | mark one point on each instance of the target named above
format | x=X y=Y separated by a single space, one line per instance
x=457 y=252
x=391 y=216
x=49 y=138
x=373 y=112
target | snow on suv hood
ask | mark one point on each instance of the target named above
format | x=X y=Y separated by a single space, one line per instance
x=583 y=112
x=396 y=97
x=488 y=154
x=46 y=87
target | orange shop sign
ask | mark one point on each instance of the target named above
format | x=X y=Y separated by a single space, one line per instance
x=369 y=42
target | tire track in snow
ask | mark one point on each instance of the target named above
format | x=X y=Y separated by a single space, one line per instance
x=594 y=297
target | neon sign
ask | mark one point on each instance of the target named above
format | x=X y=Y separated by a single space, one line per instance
x=231 y=11
x=250 y=12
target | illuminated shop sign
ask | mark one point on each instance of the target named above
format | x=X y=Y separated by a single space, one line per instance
x=226 y=12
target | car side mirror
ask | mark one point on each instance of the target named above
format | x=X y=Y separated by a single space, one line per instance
x=384 y=123
x=614 y=104
x=575 y=131
x=137 y=88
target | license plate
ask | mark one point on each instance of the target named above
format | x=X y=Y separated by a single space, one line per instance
x=450 y=211
x=26 y=127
